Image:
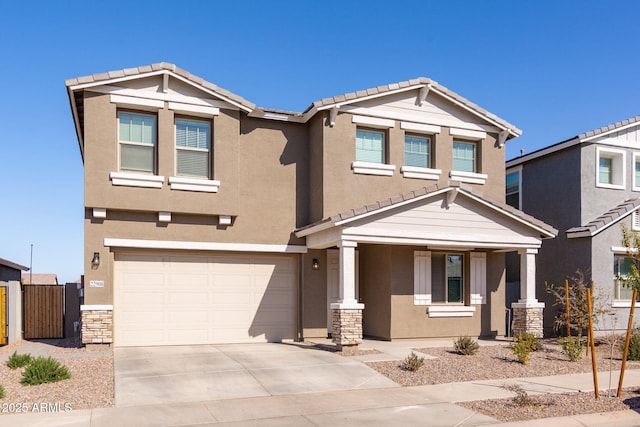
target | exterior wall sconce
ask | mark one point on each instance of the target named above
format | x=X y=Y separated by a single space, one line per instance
x=315 y=264
x=95 y=261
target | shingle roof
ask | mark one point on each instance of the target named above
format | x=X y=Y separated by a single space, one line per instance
x=605 y=220
x=354 y=96
x=13 y=265
x=609 y=128
x=423 y=191
x=145 y=69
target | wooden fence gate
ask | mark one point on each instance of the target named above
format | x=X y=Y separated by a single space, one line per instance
x=43 y=311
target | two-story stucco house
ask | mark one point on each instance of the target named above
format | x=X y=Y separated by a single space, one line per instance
x=586 y=187
x=210 y=220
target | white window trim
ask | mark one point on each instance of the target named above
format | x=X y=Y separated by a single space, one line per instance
x=469 y=177
x=636 y=159
x=368 y=168
x=419 y=127
x=125 y=101
x=451 y=311
x=197 y=150
x=420 y=173
x=154 y=146
x=373 y=121
x=194 y=184
x=623 y=303
x=635 y=221
x=136 y=180
x=616 y=165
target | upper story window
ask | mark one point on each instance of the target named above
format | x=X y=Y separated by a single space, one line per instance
x=193 y=141
x=513 y=189
x=465 y=156
x=417 y=151
x=610 y=168
x=137 y=135
x=370 y=146
x=636 y=171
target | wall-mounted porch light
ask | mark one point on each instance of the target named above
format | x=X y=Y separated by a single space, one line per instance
x=315 y=264
x=95 y=261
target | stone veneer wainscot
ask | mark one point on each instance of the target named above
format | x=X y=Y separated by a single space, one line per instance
x=97 y=324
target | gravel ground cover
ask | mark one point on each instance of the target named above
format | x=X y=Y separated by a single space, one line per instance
x=90 y=386
x=499 y=362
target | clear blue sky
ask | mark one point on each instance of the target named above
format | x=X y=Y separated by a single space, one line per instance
x=552 y=68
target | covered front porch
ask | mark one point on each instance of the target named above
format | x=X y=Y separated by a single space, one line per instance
x=426 y=264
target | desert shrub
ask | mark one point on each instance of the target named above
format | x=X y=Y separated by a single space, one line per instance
x=521 y=397
x=44 y=370
x=634 y=345
x=412 y=362
x=573 y=347
x=16 y=360
x=466 y=345
x=2 y=391
x=522 y=346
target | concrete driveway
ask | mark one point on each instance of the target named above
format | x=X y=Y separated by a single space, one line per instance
x=156 y=375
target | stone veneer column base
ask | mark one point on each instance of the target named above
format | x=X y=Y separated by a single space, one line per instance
x=97 y=325
x=347 y=328
x=528 y=318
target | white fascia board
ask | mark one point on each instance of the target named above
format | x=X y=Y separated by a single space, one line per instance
x=373 y=121
x=577 y=234
x=280 y=117
x=217 y=95
x=315 y=229
x=471 y=110
x=392 y=206
x=203 y=246
x=497 y=209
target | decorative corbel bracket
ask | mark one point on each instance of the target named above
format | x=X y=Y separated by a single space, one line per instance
x=502 y=138
x=333 y=113
x=422 y=95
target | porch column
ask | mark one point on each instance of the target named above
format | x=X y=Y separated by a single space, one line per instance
x=527 y=312
x=347 y=312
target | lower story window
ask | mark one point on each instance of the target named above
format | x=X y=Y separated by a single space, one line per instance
x=621 y=270
x=447 y=278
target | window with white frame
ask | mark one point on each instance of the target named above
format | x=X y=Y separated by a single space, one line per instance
x=465 y=156
x=610 y=168
x=622 y=266
x=512 y=186
x=417 y=151
x=193 y=142
x=137 y=142
x=636 y=171
x=370 y=146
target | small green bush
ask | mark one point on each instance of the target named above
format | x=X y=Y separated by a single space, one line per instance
x=634 y=345
x=573 y=347
x=466 y=345
x=44 y=370
x=523 y=345
x=1 y=391
x=412 y=362
x=18 y=360
x=521 y=397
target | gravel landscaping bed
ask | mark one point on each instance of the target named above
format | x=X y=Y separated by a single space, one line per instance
x=90 y=386
x=499 y=362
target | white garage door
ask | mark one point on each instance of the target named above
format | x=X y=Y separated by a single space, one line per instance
x=170 y=300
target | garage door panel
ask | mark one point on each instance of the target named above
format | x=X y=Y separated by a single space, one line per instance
x=200 y=300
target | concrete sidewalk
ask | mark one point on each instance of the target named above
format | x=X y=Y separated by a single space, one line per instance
x=432 y=405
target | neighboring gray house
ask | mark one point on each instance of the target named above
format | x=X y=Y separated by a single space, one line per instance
x=585 y=186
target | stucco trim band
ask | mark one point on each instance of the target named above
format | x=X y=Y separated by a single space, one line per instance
x=203 y=246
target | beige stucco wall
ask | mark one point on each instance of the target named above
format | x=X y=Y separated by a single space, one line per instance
x=262 y=167
x=343 y=190
x=386 y=288
x=314 y=295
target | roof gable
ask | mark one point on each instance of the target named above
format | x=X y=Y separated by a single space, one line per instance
x=606 y=220
x=431 y=213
